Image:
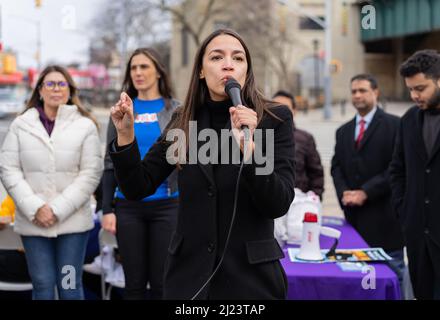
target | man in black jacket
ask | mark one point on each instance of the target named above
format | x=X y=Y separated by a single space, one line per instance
x=415 y=172
x=363 y=152
x=309 y=173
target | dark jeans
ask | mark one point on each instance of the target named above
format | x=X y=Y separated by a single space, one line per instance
x=56 y=262
x=143 y=231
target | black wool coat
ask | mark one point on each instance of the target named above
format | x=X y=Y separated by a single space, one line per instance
x=251 y=267
x=415 y=181
x=366 y=168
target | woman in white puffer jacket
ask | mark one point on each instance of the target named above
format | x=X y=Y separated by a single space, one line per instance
x=50 y=164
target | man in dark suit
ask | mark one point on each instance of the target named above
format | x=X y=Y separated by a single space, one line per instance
x=363 y=152
x=415 y=172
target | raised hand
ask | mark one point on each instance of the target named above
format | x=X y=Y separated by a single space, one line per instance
x=123 y=119
x=242 y=116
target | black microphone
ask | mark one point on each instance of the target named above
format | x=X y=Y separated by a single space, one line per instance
x=233 y=90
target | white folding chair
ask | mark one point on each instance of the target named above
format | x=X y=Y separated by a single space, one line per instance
x=9 y=240
x=109 y=240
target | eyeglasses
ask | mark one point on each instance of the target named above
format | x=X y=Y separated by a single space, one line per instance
x=50 y=85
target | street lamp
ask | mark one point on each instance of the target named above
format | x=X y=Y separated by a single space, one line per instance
x=316 y=61
x=326 y=25
x=37 y=25
x=124 y=37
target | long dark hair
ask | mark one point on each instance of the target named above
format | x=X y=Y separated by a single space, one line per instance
x=165 y=88
x=198 y=93
x=36 y=99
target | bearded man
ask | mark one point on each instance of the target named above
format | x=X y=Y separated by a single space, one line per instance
x=415 y=173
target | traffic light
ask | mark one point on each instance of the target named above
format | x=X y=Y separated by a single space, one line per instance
x=37 y=3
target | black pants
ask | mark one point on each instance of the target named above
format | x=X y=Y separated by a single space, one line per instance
x=424 y=268
x=143 y=231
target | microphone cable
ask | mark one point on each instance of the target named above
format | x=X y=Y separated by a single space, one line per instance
x=234 y=211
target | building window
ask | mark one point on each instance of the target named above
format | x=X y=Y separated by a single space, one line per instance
x=185 y=47
x=306 y=23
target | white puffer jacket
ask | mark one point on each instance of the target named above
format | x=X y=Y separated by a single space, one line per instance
x=62 y=170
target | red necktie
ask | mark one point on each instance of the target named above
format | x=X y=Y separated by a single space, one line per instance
x=361 y=133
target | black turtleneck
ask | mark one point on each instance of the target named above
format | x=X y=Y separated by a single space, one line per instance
x=431 y=128
x=219 y=117
x=219 y=113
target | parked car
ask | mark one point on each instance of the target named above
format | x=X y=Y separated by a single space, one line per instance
x=12 y=100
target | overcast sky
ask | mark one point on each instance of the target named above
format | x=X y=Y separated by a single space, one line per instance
x=64 y=29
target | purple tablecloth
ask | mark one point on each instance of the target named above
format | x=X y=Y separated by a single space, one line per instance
x=313 y=281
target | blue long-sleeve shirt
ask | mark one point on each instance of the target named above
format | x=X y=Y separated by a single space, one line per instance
x=147 y=130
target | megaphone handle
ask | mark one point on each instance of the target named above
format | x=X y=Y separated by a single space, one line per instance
x=332 y=251
x=330 y=232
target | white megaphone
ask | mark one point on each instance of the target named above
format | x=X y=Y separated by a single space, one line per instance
x=310 y=249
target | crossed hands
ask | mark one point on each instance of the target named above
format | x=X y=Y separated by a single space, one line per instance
x=45 y=218
x=351 y=198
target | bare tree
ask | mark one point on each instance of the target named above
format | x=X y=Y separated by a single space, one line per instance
x=148 y=22
x=183 y=13
x=100 y=51
x=127 y=24
x=266 y=32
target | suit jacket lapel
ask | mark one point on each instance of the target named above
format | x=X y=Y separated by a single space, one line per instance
x=350 y=137
x=203 y=122
x=375 y=122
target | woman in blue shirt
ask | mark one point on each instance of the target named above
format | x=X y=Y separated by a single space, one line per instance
x=143 y=228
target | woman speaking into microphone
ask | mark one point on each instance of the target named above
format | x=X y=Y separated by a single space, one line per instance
x=223 y=246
